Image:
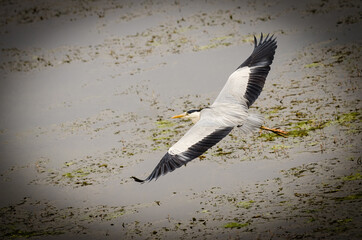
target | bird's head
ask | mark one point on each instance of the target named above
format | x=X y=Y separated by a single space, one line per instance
x=193 y=114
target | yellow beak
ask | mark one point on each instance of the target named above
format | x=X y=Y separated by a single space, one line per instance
x=179 y=116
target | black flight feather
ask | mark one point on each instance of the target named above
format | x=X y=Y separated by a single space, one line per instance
x=170 y=162
x=259 y=61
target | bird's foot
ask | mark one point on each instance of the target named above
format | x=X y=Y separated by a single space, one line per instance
x=276 y=131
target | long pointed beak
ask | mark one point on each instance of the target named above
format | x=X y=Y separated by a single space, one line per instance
x=179 y=116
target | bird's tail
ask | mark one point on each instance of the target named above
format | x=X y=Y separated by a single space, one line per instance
x=253 y=122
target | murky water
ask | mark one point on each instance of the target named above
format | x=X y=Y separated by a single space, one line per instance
x=87 y=91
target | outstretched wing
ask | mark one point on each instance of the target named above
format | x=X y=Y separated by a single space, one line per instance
x=202 y=136
x=245 y=84
x=230 y=109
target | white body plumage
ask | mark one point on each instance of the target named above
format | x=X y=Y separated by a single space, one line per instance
x=229 y=110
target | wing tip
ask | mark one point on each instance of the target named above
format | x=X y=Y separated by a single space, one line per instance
x=138 y=180
x=167 y=164
x=269 y=38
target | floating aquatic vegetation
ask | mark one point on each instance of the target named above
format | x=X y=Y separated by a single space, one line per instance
x=236 y=225
x=349 y=197
x=346 y=118
x=165 y=124
x=303 y=128
x=280 y=147
x=164 y=134
x=356 y=176
x=245 y=204
x=13 y=232
x=314 y=64
x=220 y=152
x=300 y=171
x=215 y=42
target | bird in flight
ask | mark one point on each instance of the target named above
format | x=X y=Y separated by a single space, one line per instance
x=229 y=110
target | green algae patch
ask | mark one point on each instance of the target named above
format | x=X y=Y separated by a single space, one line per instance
x=280 y=147
x=204 y=47
x=18 y=233
x=78 y=173
x=269 y=136
x=348 y=117
x=309 y=125
x=116 y=214
x=221 y=152
x=356 y=176
x=345 y=119
x=245 y=204
x=349 y=197
x=161 y=138
x=299 y=171
x=236 y=225
x=298 y=133
x=214 y=43
x=345 y=220
x=276 y=109
x=313 y=65
x=222 y=38
x=69 y=163
x=297 y=129
x=163 y=134
x=164 y=124
x=68 y=175
x=303 y=128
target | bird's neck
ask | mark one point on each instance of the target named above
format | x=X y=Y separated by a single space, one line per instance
x=195 y=117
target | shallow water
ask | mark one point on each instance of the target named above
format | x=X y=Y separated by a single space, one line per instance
x=87 y=93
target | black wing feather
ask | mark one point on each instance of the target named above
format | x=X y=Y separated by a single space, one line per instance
x=170 y=162
x=259 y=62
